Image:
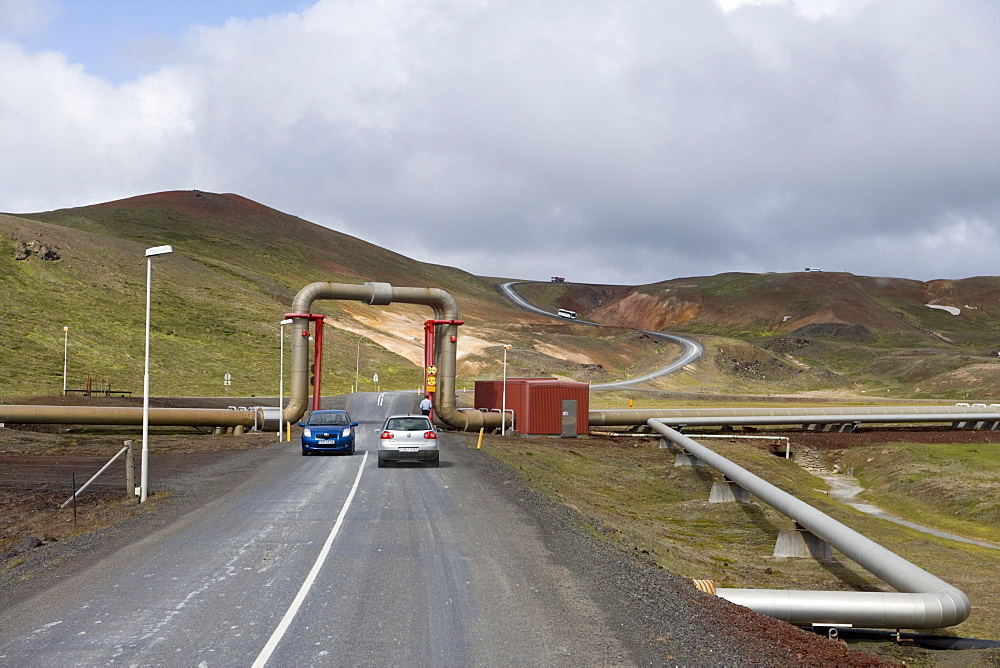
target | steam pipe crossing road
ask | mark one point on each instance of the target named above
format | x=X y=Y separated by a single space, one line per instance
x=691 y=351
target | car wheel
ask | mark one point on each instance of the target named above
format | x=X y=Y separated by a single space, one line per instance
x=436 y=462
x=305 y=453
x=381 y=463
x=351 y=451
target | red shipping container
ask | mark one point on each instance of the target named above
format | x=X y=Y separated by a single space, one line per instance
x=538 y=403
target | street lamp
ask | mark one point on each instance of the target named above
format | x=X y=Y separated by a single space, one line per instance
x=503 y=405
x=144 y=474
x=357 y=366
x=281 y=379
x=65 y=351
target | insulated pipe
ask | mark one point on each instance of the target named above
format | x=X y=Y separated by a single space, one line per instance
x=927 y=602
x=767 y=416
x=162 y=417
x=381 y=294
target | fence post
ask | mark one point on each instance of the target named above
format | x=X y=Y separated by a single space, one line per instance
x=129 y=470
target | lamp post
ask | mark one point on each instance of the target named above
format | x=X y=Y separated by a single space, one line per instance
x=357 y=366
x=65 y=351
x=281 y=379
x=144 y=474
x=503 y=405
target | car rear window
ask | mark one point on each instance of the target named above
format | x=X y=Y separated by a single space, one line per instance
x=408 y=424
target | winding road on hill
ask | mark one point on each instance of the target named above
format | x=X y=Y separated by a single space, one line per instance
x=691 y=351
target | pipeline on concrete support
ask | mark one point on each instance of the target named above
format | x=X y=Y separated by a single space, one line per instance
x=160 y=417
x=925 y=601
x=713 y=417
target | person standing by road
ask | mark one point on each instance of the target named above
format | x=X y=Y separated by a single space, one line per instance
x=425 y=405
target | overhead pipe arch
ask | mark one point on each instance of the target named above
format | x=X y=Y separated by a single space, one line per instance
x=383 y=294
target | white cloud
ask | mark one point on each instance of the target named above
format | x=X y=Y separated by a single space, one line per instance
x=21 y=18
x=628 y=142
x=812 y=9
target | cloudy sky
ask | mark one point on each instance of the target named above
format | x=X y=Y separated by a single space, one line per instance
x=609 y=141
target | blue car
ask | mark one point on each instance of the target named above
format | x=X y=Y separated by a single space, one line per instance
x=328 y=431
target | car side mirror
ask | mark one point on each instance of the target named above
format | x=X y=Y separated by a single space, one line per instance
x=302 y=424
x=354 y=424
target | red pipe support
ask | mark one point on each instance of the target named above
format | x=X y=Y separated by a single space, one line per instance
x=317 y=353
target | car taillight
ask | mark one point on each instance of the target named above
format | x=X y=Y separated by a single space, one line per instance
x=430 y=434
x=387 y=434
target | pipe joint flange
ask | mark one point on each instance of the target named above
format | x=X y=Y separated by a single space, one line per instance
x=381 y=294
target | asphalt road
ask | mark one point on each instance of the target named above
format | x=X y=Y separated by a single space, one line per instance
x=425 y=566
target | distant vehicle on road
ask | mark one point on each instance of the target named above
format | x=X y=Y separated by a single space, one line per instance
x=408 y=438
x=566 y=313
x=813 y=269
x=558 y=279
x=328 y=431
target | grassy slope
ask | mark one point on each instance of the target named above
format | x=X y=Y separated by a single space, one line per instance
x=238 y=264
x=217 y=301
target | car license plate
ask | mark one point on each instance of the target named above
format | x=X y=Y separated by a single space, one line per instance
x=326 y=442
x=409 y=449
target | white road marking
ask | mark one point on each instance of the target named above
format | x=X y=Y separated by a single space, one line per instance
x=293 y=609
x=381 y=398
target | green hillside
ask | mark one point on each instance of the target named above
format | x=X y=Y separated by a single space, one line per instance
x=217 y=301
x=218 y=298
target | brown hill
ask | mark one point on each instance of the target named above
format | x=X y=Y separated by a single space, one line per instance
x=839 y=304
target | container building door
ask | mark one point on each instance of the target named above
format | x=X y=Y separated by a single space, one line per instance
x=569 y=418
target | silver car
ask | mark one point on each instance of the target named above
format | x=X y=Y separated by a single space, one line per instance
x=408 y=438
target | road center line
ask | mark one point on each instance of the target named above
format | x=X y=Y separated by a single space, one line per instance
x=293 y=609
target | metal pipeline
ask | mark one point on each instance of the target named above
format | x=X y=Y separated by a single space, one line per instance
x=382 y=294
x=769 y=416
x=161 y=417
x=927 y=602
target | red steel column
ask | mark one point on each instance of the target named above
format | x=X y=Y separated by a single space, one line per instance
x=317 y=362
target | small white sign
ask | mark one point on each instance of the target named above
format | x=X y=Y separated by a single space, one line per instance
x=375 y=378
